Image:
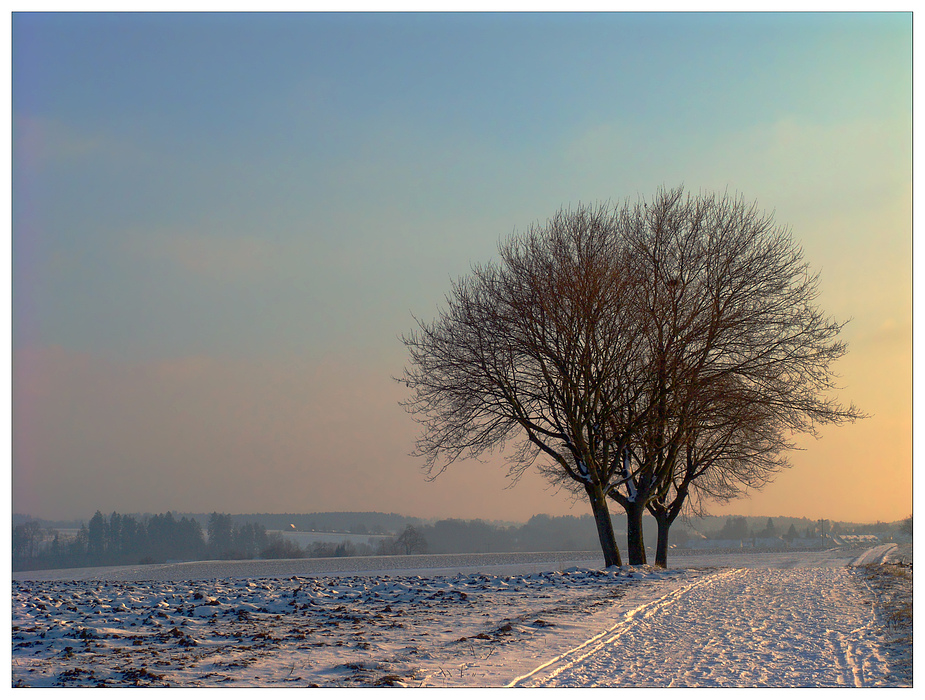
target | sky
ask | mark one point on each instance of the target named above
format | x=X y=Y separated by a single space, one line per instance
x=222 y=224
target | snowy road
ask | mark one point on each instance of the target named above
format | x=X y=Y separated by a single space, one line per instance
x=808 y=624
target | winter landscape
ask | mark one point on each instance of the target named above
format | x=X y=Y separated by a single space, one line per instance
x=838 y=617
x=566 y=289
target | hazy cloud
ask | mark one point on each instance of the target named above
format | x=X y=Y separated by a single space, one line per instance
x=43 y=140
x=212 y=256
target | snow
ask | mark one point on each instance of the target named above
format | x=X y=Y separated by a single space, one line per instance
x=781 y=619
x=628 y=479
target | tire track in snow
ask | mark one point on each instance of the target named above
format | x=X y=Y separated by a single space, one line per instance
x=807 y=627
x=610 y=635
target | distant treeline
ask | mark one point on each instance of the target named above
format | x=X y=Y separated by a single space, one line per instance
x=739 y=527
x=542 y=533
x=142 y=539
x=125 y=539
x=570 y=533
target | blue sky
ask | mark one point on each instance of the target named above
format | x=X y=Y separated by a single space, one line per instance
x=253 y=207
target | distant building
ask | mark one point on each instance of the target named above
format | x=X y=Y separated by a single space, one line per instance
x=753 y=543
x=857 y=539
x=717 y=544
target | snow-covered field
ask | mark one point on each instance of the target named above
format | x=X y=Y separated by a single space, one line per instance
x=786 y=619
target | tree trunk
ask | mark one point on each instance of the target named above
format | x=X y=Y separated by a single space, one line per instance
x=635 y=546
x=665 y=515
x=604 y=526
x=664 y=521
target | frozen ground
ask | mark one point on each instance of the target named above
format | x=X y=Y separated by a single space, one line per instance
x=795 y=619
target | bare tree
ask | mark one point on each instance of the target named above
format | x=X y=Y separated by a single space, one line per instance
x=536 y=350
x=642 y=353
x=411 y=541
x=739 y=353
x=732 y=447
